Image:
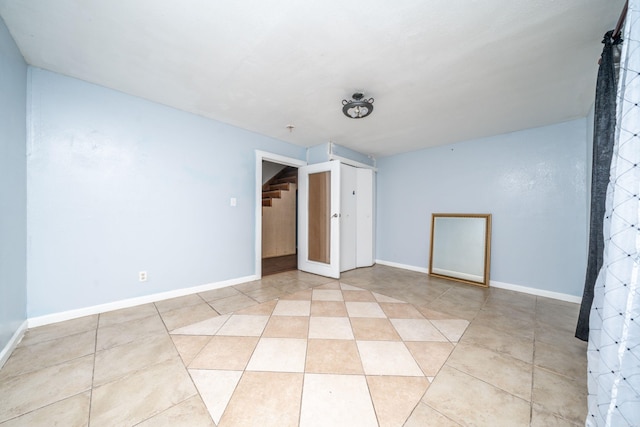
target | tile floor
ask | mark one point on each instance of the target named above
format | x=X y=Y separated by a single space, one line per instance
x=381 y=347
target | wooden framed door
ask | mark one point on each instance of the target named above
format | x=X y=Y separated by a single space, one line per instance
x=319 y=219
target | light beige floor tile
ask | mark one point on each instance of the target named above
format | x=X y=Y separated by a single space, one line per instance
x=266 y=399
x=292 y=287
x=359 y=295
x=328 y=309
x=278 y=355
x=244 y=325
x=431 y=356
x=70 y=412
x=333 y=328
x=346 y=287
x=188 y=413
x=265 y=294
x=292 y=308
x=333 y=357
x=205 y=327
x=122 y=333
x=400 y=311
x=384 y=298
x=509 y=324
x=253 y=285
x=304 y=295
x=231 y=304
x=387 y=358
x=450 y=309
x=364 y=309
x=189 y=346
x=227 y=353
x=432 y=314
x=59 y=330
x=48 y=353
x=287 y=327
x=371 y=329
x=327 y=295
x=184 y=316
x=470 y=401
x=417 y=330
x=558 y=336
x=116 y=362
x=540 y=418
x=511 y=375
x=216 y=388
x=499 y=341
x=330 y=285
x=336 y=400
x=127 y=314
x=27 y=392
x=220 y=293
x=179 y=302
x=452 y=329
x=146 y=393
x=559 y=395
x=262 y=309
x=425 y=416
x=569 y=360
x=394 y=398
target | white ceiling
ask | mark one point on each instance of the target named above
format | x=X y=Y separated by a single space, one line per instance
x=440 y=70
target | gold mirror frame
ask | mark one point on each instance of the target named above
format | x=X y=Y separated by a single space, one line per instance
x=454 y=247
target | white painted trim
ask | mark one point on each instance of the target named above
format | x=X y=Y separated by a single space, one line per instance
x=130 y=302
x=534 y=291
x=403 y=266
x=275 y=158
x=13 y=343
x=508 y=286
x=350 y=162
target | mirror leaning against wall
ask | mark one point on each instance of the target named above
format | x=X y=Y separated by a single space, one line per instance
x=461 y=247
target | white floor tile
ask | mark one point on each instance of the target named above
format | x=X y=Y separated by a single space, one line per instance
x=216 y=389
x=279 y=355
x=387 y=358
x=336 y=401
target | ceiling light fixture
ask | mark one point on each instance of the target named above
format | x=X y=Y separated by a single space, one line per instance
x=358 y=107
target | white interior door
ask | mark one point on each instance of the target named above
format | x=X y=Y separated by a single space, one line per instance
x=319 y=219
x=348 y=211
x=364 y=221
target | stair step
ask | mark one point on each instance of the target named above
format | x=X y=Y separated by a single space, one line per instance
x=272 y=194
x=293 y=179
x=266 y=202
x=283 y=186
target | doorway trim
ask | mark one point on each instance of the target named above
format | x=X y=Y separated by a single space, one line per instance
x=275 y=158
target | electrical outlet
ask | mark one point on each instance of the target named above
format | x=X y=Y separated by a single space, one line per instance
x=142 y=276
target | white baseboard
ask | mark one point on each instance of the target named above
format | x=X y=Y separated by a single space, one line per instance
x=130 y=302
x=403 y=266
x=508 y=286
x=538 y=292
x=13 y=343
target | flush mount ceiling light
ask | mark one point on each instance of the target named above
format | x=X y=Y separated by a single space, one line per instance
x=358 y=107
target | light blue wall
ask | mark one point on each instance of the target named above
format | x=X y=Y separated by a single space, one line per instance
x=13 y=191
x=532 y=181
x=117 y=184
x=348 y=153
x=318 y=153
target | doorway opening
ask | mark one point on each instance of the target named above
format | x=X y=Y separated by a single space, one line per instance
x=279 y=218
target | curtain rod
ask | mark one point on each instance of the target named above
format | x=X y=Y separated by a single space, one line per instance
x=623 y=15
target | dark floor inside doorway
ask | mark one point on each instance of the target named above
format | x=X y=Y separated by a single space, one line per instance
x=279 y=264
